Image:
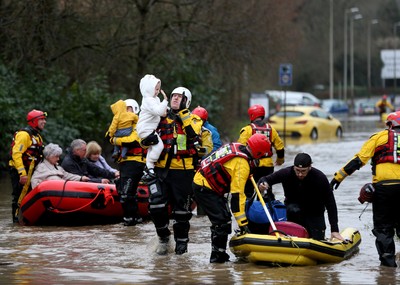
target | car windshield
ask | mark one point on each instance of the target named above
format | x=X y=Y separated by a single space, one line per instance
x=290 y=114
x=367 y=104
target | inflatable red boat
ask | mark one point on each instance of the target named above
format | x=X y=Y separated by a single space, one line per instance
x=58 y=202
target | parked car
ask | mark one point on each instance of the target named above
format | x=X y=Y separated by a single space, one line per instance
x=292 y=98
x=365 y=107
x=335 y=106
x=306 y=121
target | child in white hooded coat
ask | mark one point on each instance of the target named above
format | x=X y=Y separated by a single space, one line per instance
x=152 y=109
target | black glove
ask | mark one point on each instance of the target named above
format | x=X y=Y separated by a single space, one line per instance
x=334 y=184
x=183 y=102
x=244 y=230
x=107 y=136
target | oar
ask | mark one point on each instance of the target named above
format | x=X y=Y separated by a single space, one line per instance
x=264 y=206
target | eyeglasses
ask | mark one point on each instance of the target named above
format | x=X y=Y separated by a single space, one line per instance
x=302 y=171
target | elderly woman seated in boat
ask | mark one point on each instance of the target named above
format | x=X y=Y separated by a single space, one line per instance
x=93 y=154
x=49 y=169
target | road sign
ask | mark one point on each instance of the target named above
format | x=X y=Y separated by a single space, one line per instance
x=285 y=74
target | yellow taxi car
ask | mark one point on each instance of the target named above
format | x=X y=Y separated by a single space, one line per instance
x=306 y=121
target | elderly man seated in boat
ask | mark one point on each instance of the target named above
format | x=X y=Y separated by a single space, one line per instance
x=49 y=169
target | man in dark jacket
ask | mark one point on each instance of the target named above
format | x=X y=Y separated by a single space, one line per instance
x=307 y=195
x=75 y=162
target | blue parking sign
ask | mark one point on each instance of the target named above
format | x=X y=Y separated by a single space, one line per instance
x=285 y=74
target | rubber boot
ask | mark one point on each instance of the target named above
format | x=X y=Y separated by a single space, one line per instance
x=132 y=221
x=388 y=259
x=219 y=240
x=219 y=257
x=181 y=246
x=162 y=248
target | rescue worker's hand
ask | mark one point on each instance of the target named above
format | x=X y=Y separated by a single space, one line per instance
x=182 y=105
x=23 y=179
x=334 y=184
x=244 y=230
x=280 y=161
x=105 y=181
x=201 y=151
x=107 y=136
x=337 y=179
x=117 y=174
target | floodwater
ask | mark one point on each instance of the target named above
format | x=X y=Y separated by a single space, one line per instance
x=114 y=254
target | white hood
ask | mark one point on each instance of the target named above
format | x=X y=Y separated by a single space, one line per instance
x=148 y=84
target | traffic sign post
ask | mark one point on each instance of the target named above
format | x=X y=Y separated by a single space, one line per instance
x=285 y=74
x=285 y=79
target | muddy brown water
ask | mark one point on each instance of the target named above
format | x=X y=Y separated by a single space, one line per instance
x=114 y=254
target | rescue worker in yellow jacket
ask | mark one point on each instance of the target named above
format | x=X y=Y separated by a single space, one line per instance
x=131 y=168
x=227 y=170
x=258 y=126
x=383 y=148
x=383 y=104
x=180 y=132
x=26 y=152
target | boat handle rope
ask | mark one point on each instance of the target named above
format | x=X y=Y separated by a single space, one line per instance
x=57 y=211
x=279 y=232
x=294 y=244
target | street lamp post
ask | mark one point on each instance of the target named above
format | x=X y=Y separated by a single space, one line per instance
x=394 y=58
x=355 y=17
x=331 y=50
x=372 y=22
x=351 y=10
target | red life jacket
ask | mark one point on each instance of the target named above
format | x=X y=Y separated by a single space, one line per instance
x=34 y=151
x=389 y=152
x=259 y=127
x=212 y=167
x=173 y=135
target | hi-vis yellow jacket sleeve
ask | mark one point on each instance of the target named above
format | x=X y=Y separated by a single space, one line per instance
x=383 y=171
x=239 y=170
x=22 y=142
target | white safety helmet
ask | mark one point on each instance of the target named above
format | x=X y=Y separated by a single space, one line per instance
x=185 y=92
x=132 y=103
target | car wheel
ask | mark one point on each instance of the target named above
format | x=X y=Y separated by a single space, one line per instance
x=314 y=134
x=339 y=132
